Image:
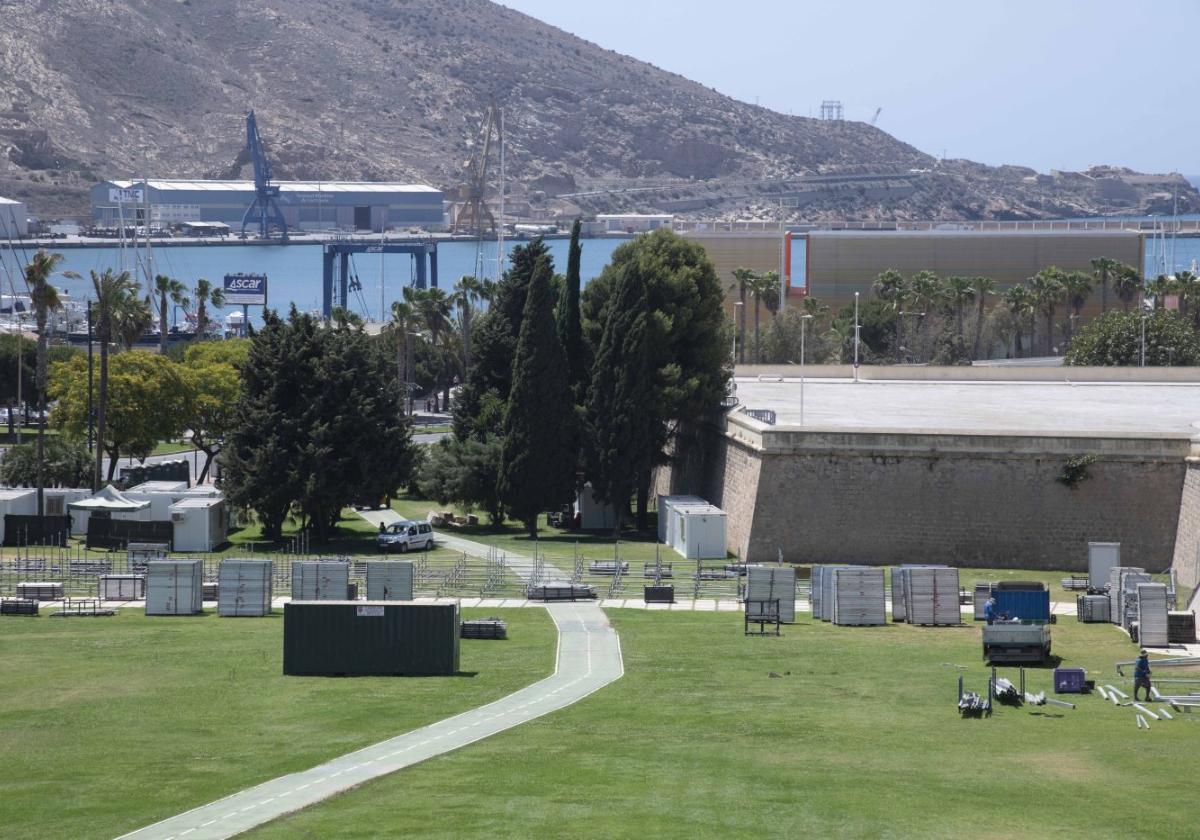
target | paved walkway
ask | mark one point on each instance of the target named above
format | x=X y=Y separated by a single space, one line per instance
x=589 y=658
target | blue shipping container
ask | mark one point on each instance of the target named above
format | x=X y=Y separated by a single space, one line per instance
x=1027 y=605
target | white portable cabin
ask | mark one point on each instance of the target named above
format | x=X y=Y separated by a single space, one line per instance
x=200 y=523
x=1103 y=557
x=19 y=501
x=160 y=494
x=698 y=531
x=664 y=513
x=594 y=515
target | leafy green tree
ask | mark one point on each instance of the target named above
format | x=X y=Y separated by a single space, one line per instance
x=620 y=410
x=64 y=463
x=466 y=473
x=686 y=299
x=45 y=300
x=983 y=288
x=169 y=290
x=149 y=403
x=232 y=351
x=568 y=318
x=493 y=345
x=114 y=293
x=1116 y=339
x=213 y=389
x=538 y=455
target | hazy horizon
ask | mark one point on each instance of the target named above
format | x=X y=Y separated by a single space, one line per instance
x=1069 y=89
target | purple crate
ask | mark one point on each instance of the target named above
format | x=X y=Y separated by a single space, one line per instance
x=1068 y=680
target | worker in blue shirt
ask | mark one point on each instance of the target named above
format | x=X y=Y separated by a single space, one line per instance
x=989 y=610
x=1141 y=674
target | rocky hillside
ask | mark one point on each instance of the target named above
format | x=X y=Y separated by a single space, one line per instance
x=395 y=89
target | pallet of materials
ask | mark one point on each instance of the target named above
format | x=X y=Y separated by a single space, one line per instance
x=1116 y=593
x=244 y=587
x=389 y=580
x=1092 y=608
x=320 y=580
x=607 y=567
x=1152 y=615
x=40 y=591
x=174 y=587
x=857 y=596
x=649 y=570
x=562 y=592
x=931 y=596
x=121 y=587
x=1181 y=628
x=485 y=628
x=210 y=590
x=82 y=608
x=774 y=583
x=18 y=606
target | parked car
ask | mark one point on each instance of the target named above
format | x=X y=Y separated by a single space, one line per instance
x=405 y=536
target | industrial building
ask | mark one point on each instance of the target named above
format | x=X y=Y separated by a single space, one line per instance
x=13 y=219
x=306 y=205
x=831 y=265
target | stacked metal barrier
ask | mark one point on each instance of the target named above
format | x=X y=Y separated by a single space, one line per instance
x=320 y=580
x=930 y=596
x=857 y=596
x=1152 y=615
x=244 y=588
x=1092 y=608
x=389 y=580
x=773 y=583
x=174 y=587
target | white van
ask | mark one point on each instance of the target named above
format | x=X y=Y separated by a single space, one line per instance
x=406 y=535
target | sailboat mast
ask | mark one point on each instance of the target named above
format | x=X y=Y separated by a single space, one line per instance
x=500 y=221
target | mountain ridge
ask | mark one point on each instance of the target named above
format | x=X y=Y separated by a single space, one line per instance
x=396 y=89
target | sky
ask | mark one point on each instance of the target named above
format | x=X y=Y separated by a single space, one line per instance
x=1055 y=84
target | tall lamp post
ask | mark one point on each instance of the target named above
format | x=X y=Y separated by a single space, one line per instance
x=856 y=331
x=804 y=319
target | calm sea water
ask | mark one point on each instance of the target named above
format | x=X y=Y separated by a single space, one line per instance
x=294 y=271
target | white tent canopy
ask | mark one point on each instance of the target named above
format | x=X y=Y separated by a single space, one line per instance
x=110 y=499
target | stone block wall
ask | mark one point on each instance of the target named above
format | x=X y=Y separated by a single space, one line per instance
x=1187 y=538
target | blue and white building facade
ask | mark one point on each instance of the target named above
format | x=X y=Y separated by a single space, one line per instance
x=306 y=205
x=13 y=219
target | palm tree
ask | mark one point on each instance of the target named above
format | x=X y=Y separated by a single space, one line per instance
x=45 y=299
x=983 y=288
x=958 y=292
x=1078 y=285
x=928 y=294
x=131 y=320
x=1159 y=288
x=432 y=309
x=1127 y=284
x=1048 y=291
x=167 y=288
x=402 y=324
x=113 y=292
x=1105 y=269
x=742 y=278
x=206 y=294
x=841 y=335
x=891 y=287
x=814 y=307
x=468 y=291
x=1187 y=286
x=1019 y=302
x=760 y=285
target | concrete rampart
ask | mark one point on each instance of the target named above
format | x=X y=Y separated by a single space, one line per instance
x=885 y=497
x=1187 y=535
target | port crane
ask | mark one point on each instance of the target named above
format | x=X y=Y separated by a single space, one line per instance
x=474 y=217
x=265 y=207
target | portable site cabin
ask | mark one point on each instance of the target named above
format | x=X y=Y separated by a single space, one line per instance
x=18 y=501
x=593 y=514
x=200 y=523
x=665 y=504
x=160 y=494
x=698 y=531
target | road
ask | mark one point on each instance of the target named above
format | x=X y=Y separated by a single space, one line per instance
x=589 y=658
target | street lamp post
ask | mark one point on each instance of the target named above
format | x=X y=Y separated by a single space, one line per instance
x=856 y=329
x=804 y=319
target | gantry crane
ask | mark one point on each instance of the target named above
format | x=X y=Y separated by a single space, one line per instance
x=265 y=206
x=474 y=217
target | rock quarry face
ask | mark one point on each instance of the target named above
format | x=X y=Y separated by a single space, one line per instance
x=396 y=90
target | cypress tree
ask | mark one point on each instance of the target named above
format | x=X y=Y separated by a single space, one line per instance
x=570 y=331
x=538 y=456
x=621 y=415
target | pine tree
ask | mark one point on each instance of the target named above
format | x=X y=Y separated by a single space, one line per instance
x=570 y=331
x=621 y=416
x=538 y=456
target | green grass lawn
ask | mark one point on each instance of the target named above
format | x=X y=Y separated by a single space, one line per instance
x=110 y=724
x=860 y=738
x=171 y=447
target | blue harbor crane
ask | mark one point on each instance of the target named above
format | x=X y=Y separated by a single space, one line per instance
x=338 y=280
x=265 y=206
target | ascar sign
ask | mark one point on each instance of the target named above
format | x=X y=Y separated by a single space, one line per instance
x=246 y=289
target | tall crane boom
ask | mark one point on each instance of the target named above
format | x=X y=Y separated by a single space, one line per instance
x=474 y=217
x=265 y=207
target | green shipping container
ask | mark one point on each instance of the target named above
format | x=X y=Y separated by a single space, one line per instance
x=369 y=638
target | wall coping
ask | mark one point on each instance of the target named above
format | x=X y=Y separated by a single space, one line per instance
x=978 y=373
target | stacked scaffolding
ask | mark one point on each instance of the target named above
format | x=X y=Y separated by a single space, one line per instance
x=857 y=596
